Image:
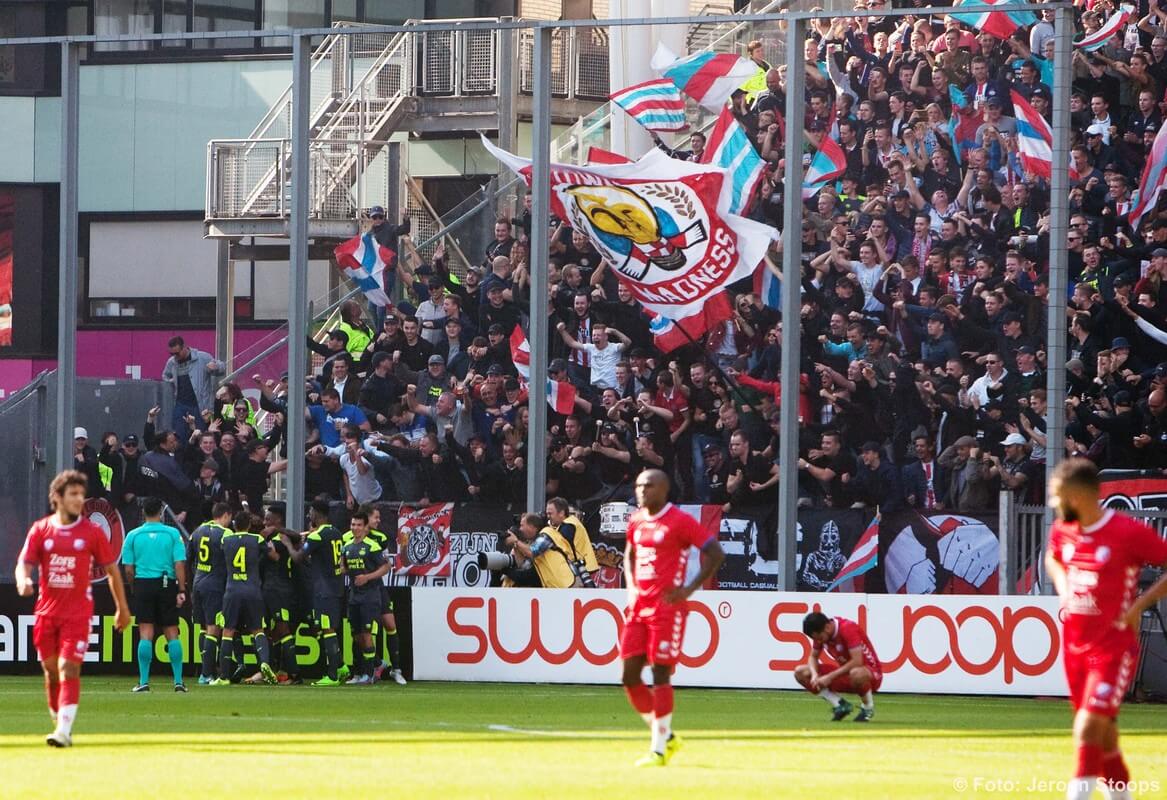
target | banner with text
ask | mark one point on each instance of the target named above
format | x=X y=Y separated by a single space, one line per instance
x=983 y=645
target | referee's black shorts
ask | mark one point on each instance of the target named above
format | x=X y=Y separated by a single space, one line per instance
x=155 y=603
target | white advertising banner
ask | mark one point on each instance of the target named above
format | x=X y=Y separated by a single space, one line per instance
x=944 y=644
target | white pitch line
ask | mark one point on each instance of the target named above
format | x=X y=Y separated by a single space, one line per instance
x=553 y=734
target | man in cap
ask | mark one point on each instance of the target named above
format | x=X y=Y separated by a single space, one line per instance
x=431 y=312
x=386 y=234
x=970 y=487
x=876 y=481
x=1016 y=472
x=85 y=461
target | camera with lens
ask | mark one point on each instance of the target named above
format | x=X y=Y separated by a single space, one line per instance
x=503 y=559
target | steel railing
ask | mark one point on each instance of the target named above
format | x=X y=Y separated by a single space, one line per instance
x=1022 y=533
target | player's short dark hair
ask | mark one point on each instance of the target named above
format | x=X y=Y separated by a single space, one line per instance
x=814 y=622
x=1079 y=473
x=321 y=508
x=241 y=521
x=152 y=506
x=69 y=477
x=331 y=394
x=280 y=510
x=219 y=509
x=360 y=514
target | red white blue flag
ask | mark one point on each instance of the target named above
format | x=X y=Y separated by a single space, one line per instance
x=864 y=557
x=730 y=148
x=561 y=396
x=709 y=78
x=1003 y=23
x=1035 y=139
x=1154 y=177
x=521 y=353
x=827 y=165
x=656 y=104
x=1097 y=40
x=366 y=263
x=767 y=286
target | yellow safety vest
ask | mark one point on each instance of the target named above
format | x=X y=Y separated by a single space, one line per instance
x=554 y=571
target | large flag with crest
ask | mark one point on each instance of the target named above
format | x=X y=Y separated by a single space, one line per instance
x=663 y=224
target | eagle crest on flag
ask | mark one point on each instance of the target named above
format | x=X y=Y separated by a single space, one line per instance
x=652 y=225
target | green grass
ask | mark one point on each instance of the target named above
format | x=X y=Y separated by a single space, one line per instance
x=519 y=741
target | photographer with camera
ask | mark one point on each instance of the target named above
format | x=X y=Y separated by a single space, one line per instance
x=554 y=556
x=571 y=535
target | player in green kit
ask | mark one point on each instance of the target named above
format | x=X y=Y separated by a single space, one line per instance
x=322 y=545
x=388 y=619
x=365 y=564
x=243 y=601
x=205 y=553
x=154 y=558
x=279 y=591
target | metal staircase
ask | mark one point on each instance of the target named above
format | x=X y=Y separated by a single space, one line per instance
x=360 y=87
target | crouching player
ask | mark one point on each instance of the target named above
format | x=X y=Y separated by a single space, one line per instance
x=1094 y=559
x=852 y=664
x=63 y=548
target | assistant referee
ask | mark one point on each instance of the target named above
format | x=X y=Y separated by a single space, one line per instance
x=154 y=558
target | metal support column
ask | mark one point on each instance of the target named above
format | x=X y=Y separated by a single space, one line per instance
x=791 y=304
x=540 y=245
x=508 y=70
x=67 y=278
x=395 y=184
x=1055 y=346
x=298 y=279
x=225 y=306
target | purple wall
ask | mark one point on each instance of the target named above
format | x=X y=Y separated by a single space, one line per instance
x=140 y=354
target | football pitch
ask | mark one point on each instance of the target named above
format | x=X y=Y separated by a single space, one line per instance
x=524 y=741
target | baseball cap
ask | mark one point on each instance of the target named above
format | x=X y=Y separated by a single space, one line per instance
x=1026 y=349
x=902 y=193
x=1120 y=343
x=496 y=328
x=993 y=101
x=936 y=316
x=436 y=359
x=494 y=369
x=870 y=447
x=1039 y=92
x=131 y=439
x=1013 y=438
x=1096 y=129
x=710 y=447
x=1075 y=363
x=255 y=444
x=1122 y=398
x=1122 y=280
x=1159 y=251
x=512 y=385
x=1161 y=370
x=80 y=433
x=1010 y=316
x=377 y=211
x=211 y=463
x=966 y=441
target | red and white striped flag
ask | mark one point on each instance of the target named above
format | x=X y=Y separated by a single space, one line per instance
x=521 y=353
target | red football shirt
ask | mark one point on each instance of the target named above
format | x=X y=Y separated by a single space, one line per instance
x=662 y=552
x=64 y=557
x=848 y=636
x=1102 y=566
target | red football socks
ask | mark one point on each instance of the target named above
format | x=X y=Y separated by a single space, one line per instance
x=641 y=698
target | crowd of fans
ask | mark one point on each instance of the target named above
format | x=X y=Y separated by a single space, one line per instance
x=923 y=322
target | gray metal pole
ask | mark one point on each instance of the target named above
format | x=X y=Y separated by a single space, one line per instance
x=1055 y=346
x=395 y=186
x=791 y=305
x=224 y=305
x=298 y=279
x=540 y=245
x=67 y=278
x=508 y=70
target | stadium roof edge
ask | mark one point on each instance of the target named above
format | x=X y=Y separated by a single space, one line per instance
x=508 y=24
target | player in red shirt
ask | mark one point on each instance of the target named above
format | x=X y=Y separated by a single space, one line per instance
x=63 y=547
x=657 y=551
x=1094 y=559
x=851 y=660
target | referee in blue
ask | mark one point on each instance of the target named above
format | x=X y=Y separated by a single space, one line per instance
x=154 y=558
